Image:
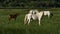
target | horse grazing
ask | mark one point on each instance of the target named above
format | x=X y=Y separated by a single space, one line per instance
x=34 y=16
x=13 y=16
x=27 y=18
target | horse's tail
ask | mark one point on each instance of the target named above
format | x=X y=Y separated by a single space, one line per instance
x=25 y=19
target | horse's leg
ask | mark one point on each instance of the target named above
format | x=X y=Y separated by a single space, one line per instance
x=15 y=18
x=9 y=19
x=25 y=21
x=28 y=21
x=48 y=15
x=39 y=22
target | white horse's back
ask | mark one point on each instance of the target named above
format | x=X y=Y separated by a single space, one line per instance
x=46 y=12
x=33 y=11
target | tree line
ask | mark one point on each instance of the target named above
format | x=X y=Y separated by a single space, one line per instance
x=29 y=3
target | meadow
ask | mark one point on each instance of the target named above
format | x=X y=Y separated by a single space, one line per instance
x=48 y=25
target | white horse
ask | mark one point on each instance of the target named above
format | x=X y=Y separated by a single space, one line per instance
x=48 y=13
x=34 y=16
x=33 y=11
x=29 y=16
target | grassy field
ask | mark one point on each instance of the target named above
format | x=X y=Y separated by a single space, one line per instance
x=48 y=25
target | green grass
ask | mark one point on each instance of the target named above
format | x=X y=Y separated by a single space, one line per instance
x=48 y=25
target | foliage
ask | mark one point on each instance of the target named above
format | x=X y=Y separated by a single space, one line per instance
x=30 y=3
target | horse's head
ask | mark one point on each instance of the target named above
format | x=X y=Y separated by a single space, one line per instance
x=51 y=14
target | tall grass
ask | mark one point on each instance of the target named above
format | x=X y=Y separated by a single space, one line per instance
x=48 y=25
